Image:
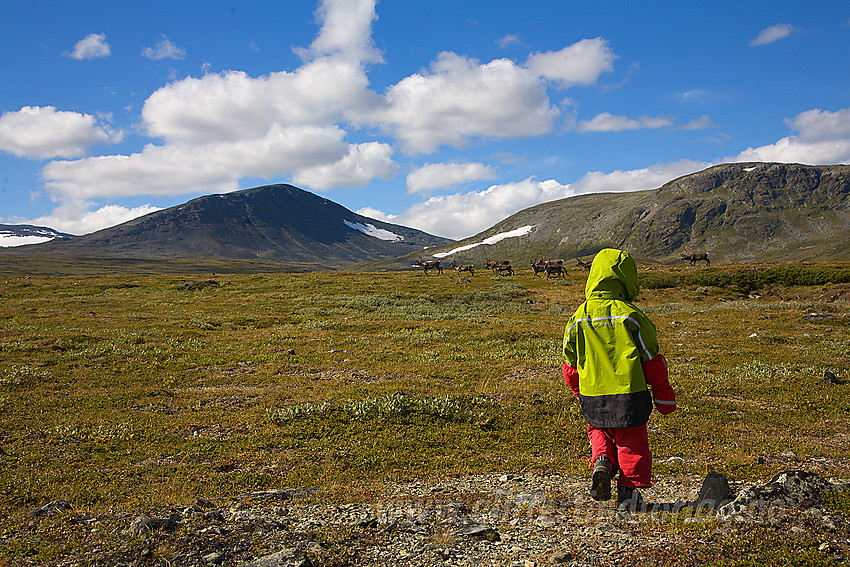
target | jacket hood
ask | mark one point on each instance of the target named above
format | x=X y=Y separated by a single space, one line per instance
x=613 y=275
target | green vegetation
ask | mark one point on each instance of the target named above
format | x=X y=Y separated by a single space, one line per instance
x=126 y=392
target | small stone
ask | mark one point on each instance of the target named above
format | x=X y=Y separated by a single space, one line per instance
x=545 y=522
x=479 y=531
x=788 y=454
x=529 y=563
x=830 y=378
x=213 y=558
x=560 y=557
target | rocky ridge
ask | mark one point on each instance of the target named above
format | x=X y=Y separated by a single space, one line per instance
x=501 y=520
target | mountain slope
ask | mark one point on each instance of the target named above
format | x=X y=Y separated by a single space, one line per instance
x=276 y=223
x=735 y=212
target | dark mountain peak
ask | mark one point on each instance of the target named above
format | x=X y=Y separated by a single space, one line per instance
x=275 y=222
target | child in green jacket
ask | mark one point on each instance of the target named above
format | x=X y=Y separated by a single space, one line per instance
x=612 y=359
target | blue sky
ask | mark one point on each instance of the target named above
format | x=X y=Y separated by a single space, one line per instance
x=443 y=116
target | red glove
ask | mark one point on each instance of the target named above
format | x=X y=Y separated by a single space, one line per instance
x=655 y=372
x=571 y=377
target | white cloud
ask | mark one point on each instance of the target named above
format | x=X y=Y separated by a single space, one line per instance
x=701 y=123
x=641 y=179
x=76 y=217
x=179 y=169
x=578 y=64
x=91 y=47
x=607 y=122
x=165 y=49
x=823 y=138
x=463 y=214
x=233 y=105
x=510 y=40
x=460 y=99
x=773 y=33
x=822 y=125
x=444 y=175
x=346 y=27
x=41 y=132
x=363 y=163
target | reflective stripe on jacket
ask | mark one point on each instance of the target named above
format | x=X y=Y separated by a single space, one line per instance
x=607 y=340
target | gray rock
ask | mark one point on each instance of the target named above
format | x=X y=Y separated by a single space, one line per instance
x=290 y=557
x=545 y=522
x=213 y=558
x=795 y=488
x=714 y=492
x=478 y=531
x=560 y=557
x=52 y=508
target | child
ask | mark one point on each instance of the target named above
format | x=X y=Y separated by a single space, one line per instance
x=611 y=353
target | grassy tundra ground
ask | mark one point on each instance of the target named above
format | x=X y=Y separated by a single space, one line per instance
x=132 y=393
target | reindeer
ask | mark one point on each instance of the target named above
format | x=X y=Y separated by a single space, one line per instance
x=694 y=258
x=538 y=266
x=584 y=265
x=429 y=265
x=557 y=269
x=463 y=268
x=504 y=268
x=499 y=266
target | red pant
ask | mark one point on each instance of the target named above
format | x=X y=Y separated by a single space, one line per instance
x=628 y=450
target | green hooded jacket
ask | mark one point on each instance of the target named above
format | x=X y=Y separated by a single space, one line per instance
x=606 y=340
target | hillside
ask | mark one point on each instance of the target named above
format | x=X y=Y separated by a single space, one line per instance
x=279 y=223
x=741 y=212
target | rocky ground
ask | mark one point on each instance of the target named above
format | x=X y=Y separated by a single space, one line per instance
x=499 y=520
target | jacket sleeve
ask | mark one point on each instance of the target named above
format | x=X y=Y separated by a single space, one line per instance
x=655 y=372
x=571 y=377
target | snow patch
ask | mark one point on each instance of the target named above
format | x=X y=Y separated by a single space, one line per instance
x=489 y=240
x=10 y=240
x=749 y=168
x=374 y=231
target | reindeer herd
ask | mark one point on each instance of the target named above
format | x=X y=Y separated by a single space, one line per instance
x=548 y=268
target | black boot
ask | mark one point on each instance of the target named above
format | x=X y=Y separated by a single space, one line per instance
x=600 y=487
x=629 y=498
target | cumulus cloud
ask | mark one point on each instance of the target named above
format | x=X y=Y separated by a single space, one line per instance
x=818 y=125
x=459 y=99
x=165 y=49
x=233 y=105
x=179 y=169
x=462 y=215
x=345 y=31
x=823 y=137
x=444 y=175
x=92 y=46
x=773 y=33
x=577 y=64
x=77 y=217
x=607 y=122
x=41 y=132
x=363 y=163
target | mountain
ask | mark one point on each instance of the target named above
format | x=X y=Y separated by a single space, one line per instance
x=278 y=223
x=735 y=212
x=22 y=234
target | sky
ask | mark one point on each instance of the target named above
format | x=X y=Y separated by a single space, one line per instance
x=443 y=116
